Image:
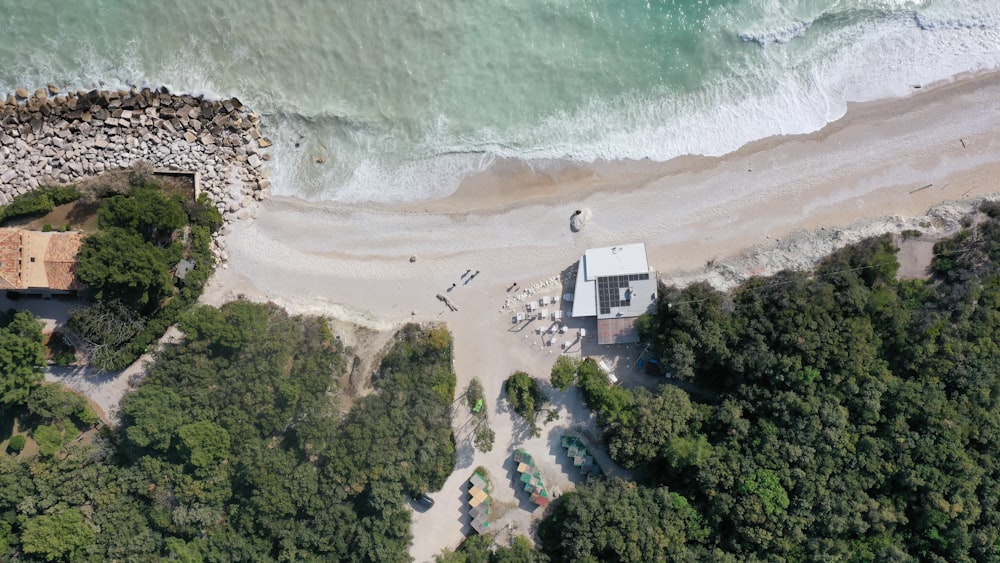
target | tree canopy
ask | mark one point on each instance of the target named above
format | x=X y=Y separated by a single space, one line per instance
x=845 y=415
x=118 y=264
x=146 y=210
x=237 y=447
x=21 y=357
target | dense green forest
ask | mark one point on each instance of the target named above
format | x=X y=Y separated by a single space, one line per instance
x=235 y=448
x=856 y=418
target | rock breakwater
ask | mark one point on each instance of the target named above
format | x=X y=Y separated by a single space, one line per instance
x=48 y=137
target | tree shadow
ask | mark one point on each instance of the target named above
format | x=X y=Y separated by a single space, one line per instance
x=464 y=518
x=82 y=211
x=465 y=452
x=520 y=429
x=7 y=424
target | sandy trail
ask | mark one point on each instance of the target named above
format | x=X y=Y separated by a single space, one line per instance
x=776 y=203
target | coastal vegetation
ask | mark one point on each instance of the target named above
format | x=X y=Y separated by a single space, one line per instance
x=854 y=418
x=237 y=446
x=483 y=436
x=525 y=398
x=38 y=201
x=129 y=264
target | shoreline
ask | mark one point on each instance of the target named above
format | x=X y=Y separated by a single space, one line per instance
x=775 y=204
x=557 y=178
x=690 y=210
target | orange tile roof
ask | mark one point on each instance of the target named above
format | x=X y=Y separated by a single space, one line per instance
x=61 y=260
x=58 y=265
x=10 y=258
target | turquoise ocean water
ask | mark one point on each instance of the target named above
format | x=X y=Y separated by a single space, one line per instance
x=404 y=98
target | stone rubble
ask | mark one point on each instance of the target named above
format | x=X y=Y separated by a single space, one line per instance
x=48 y=137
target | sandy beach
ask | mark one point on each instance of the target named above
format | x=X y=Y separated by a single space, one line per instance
x=776 y=203
x=893 y=158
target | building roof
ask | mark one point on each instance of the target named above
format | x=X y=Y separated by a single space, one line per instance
x=584 y=304
x=477 y=480
x=608 y=278
x=182 y=268
x=620 y=330
x=39 y=260
x=478 y=496
x=628 y=295
x=615 y=260
x=61 y=260
x=10 y=258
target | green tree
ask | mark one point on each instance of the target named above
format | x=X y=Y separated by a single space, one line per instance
x=16 y=443
x=203 y=443
x=53 y=403
x=50 y=439
x=640 y=434
x=145 y=210
x=619 y=521
x=62 y=535
x=524 y=396
x=564 y=372
x=21 y=356
x=764 y=484
x=118 y=264
x=151 y=415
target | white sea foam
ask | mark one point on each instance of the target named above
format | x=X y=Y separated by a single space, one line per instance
x=813 y=59
x=783 y=34
x=864 y=65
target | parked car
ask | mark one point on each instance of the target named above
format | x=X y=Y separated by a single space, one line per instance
x=423 y=501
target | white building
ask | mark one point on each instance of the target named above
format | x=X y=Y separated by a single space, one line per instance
x=616 y=285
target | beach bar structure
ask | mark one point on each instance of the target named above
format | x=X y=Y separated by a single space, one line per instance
x=479 y=502
x=530 y=478
x=616 y=285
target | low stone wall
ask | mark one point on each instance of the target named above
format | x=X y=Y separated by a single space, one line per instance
x=50 y=137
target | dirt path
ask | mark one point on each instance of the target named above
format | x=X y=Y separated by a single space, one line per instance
x=107 y=389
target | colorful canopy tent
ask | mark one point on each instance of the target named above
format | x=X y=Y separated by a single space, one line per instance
x=578 y=453
x=479 y=502
x=531 y=478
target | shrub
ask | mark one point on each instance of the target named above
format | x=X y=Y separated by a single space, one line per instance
x=39 y=201
x=49 y=439
x=16 y=443
x=46 y=228
x=139 y=173
x=524 y=396
x=61 y=195
x=991 y=208
x=203 y=214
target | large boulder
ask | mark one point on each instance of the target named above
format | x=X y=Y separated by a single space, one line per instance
x=580 y=219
